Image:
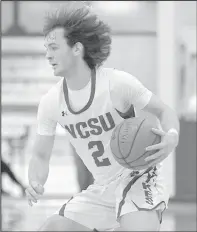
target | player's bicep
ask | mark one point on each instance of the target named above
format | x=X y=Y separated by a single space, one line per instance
x=43 y=146
x=138 y=95
x=46 y=128
x=155 y=106
x=46 y=117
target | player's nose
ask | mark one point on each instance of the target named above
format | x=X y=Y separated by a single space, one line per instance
x=48 y=56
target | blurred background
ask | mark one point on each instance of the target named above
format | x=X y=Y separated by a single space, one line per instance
x=154 y=41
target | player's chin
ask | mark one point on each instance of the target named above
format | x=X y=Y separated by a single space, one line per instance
x=57 y=72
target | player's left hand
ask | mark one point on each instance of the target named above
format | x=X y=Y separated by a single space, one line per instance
x=169 y=141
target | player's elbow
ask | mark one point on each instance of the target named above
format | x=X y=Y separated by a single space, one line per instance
x=171 y=112
x=42 y=156
x=169 y=115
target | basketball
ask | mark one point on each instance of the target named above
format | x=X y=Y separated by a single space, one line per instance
x=130 y=139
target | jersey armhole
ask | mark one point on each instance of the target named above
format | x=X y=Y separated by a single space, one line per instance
x=130 y=113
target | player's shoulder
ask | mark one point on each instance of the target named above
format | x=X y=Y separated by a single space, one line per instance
x=115 y=74
x=118 y=78
x=53 y=93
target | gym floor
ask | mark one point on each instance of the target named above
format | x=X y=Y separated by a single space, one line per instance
x=18 y=216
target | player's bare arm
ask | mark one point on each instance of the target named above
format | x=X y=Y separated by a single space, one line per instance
x=132 y=92
x=169 y=132
x=39 y=164
x=39 y=167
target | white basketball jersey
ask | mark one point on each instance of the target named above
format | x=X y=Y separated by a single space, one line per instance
x=90 y=131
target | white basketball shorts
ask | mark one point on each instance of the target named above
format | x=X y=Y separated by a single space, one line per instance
x=101 y=206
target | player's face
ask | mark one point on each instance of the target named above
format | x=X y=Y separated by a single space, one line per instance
x=59 y=53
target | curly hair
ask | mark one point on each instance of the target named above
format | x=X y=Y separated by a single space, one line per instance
x=81 y=25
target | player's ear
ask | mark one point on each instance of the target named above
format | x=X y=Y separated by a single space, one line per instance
x=78 y=49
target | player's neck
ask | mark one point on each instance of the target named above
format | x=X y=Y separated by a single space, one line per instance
x=78 y=77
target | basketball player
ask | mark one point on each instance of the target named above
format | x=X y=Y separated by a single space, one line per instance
x=89 y=101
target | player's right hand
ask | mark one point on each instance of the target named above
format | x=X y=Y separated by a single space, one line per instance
x=34 y=192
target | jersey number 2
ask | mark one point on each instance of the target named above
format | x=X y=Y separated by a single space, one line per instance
x=98 y=153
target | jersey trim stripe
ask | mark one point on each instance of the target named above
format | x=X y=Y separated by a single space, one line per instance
x=127 y=188
x=129 y=114
x=61 y=211
x=159 y=212
x=92 y=94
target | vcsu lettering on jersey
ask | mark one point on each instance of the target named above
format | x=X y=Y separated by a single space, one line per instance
x=94 y=126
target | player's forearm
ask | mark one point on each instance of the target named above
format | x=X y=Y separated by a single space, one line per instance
x=38 y=169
